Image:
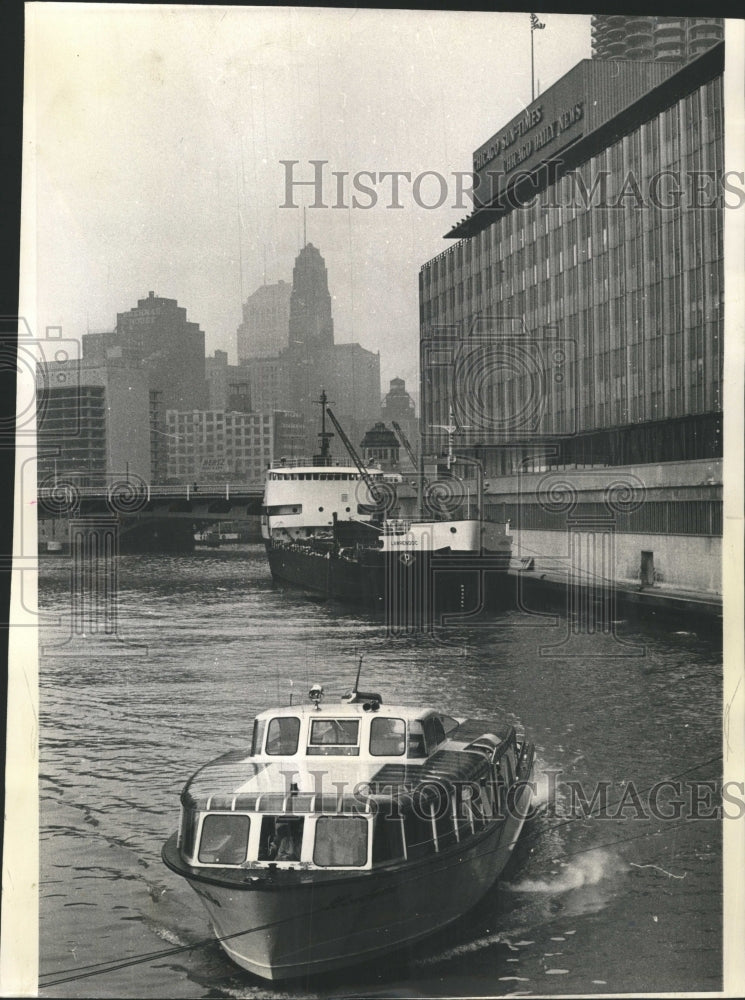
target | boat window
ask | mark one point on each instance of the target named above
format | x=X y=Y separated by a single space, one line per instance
x=224 y=839
x=387 y=737
x=434 y=732
x=448 y=723
x=281 y=838
x=341 y=842
x=488 y=798
x=187 y=834
x=282 y=736
x=334 y=736
x=388 y=842
x=474 y=806
x=258 y=736
x=445 y=827
x=419 y=836
x=415 y=746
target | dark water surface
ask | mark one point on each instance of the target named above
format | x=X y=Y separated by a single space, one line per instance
x=599 y=905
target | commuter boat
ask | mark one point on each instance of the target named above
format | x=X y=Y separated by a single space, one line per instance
x=337 y=531
x=349 y=830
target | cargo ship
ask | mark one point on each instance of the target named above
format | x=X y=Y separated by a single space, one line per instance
x=338 y=531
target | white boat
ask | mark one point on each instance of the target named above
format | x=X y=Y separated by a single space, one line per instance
x=348 y=830
x=337 y=531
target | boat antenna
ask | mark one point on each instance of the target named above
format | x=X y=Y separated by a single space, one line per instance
x=359 y=671
x=292 y=683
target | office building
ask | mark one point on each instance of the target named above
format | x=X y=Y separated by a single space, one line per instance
x=266 y=322
x=209 y=446
x=228 y=386
x=398 y=406
x=349 y=373
x=380 y=447
x=311 y=326
x=627 y=280
x=157 y=334
x=577 y=321
x=94 y=423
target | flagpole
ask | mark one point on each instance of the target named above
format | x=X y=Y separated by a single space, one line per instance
x=535 y=25
x=532 y=65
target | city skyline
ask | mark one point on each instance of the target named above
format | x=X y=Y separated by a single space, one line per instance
x=208 y=103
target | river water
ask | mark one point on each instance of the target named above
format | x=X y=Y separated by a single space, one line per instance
x=614 y=903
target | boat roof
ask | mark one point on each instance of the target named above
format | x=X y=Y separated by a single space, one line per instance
x=351 y=710
x=290 y=469
x=238 y=781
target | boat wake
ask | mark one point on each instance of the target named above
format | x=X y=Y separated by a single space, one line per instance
x=478 y=944
x=590 y=869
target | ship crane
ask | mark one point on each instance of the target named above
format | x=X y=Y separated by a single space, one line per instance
x=364 y=474
x=405 y=442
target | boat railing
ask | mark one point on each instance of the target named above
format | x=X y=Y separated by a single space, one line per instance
x=308 y=463
x=397 y=526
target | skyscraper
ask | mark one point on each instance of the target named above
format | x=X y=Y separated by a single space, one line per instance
x=646 y=37
x=157 y=334
x=266 y=320
x=311 y=324
x=312 y=361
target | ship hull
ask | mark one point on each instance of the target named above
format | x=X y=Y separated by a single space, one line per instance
x=306 y=929
x=402 y=583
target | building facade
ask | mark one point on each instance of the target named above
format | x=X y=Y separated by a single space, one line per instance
x=577 y=322
x=94 y=423
x=268 y=383
x=228 y=386
x=311 y=326
x=219 y=446
x=209 y=446
x=604 y=289
x=622 y=36
x=349 y=373
x=398 y=406
x=266 y=322
x=157 y=335
x=380 y=447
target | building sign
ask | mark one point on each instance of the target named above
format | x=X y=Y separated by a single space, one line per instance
x=590 y=94
x=547 y=125
x=532 y=119
x=215 y=466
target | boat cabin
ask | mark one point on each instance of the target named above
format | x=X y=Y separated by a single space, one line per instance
x=348 y=786
x=304 y=501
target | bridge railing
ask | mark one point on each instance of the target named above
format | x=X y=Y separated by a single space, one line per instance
x=181 y=491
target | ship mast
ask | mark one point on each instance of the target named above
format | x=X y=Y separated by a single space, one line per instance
x=324 y=456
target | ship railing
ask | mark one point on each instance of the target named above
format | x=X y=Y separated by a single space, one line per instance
x=397 y=526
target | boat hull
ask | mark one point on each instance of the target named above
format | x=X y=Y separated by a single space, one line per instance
x=314 y=927
x=403 y=584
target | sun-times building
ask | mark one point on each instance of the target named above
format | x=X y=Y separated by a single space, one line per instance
x=577 y=321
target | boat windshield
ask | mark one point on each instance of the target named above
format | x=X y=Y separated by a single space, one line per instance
x=224 y=839
x=387 y=737
x=283 y=735
x=334 y=736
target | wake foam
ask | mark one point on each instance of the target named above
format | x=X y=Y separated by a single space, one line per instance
x=589 y=869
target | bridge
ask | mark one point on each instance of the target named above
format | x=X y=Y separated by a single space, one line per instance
x=148 y=517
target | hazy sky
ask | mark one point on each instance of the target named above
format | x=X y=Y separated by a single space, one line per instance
x=160 y=130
